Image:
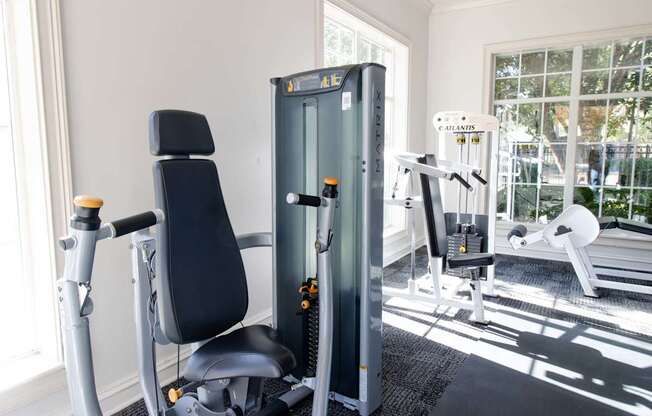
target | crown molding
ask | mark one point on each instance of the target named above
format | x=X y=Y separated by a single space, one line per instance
x=425 y=5
x=446 y=6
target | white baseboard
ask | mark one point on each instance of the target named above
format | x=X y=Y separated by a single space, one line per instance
x=395 y=252
x=123 y=393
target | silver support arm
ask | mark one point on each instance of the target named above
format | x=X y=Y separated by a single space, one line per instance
x=253 y=240
x=74 y=290
x=326 y=205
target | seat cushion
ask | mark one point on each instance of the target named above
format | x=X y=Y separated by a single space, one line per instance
x=253 y=351
x=471 y=260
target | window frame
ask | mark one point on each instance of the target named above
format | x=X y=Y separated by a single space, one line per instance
x=394 y=233
x=574 y=42
x=38 y=25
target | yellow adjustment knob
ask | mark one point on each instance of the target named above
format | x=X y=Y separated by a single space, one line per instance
x=174 y=394
x=305 y=305
x=313 y=290
x=86 y=201
x=330 y=181
x=462 y=249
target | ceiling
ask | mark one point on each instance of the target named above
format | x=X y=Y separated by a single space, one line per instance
x=441 y=6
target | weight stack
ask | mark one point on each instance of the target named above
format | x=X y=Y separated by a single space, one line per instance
x=473 y=243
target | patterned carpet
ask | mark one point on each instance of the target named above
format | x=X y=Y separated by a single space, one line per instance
x=423 y=347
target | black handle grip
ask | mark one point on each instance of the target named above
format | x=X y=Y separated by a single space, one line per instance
x=134 y=223
x=462 y=181
x=479 y=178
x=518 y=231
x=303 y=199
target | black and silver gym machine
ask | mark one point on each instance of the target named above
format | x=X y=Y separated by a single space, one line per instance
x=331 y=122
x=460 y=244
x=190 y=287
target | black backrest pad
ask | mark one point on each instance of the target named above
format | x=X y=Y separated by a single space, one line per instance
x=177 y=132
x=202 y=287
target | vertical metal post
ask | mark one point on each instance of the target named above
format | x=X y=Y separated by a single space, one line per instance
x=325 y=218
x=147 y=332
x=76 y=331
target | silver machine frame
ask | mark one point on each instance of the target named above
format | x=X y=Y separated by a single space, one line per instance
x=465 y=124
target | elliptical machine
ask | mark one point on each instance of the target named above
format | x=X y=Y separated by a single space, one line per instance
x=190 y=287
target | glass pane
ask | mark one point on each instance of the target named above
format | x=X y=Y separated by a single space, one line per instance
x=622 y=120
x=558 y=85
x=647 y=58
x=526 y=169
x=529 y=118
x=364 y=50
x=645 y=121
x=560 y=60
x=588 y=164
x=625 y=80
x=553 y=164
x=594 y=82
x=506 y=88
x=615 y=203
x=533 y=63
x=647 y=79
x=592 y=119
x=596 y=57
x=506 y=115
x=551 y=203
x=531 y=87
x=643 y=167
x=346 y=44
x=642 y=206
x=501 y=207
x=330 y=36
x=525 y=203
x=628 y=53
x=331 y=59
x=555 y=122
x=507 y=66
x=618 y=164
x=588 y=197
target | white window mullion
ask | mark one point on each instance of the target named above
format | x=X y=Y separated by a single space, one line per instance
x=573 y=120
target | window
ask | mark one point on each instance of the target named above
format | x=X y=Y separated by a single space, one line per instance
x=349 y=40
x=33 y=149
x=576 y=127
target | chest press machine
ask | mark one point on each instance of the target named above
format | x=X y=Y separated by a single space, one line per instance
x=190 y=287
x=458 y=244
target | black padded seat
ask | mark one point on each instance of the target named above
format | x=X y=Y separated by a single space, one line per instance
x=253 y=351
x=471 y=260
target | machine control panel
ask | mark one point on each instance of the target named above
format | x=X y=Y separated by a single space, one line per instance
x=328 y=79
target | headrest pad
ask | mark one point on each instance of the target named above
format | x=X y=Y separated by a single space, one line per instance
x=176 y=132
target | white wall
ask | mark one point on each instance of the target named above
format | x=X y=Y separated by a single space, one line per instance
x=124 y=59
x=456 y=63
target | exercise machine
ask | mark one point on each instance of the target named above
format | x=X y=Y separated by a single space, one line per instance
x=459 y=244
x=331 y=122
x=573 y=231
x=190 y=287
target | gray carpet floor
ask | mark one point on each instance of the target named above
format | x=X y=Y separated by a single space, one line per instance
x=424 y=347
